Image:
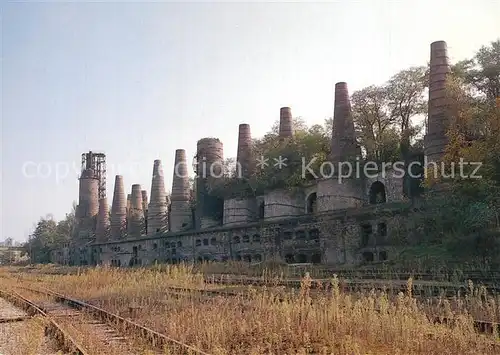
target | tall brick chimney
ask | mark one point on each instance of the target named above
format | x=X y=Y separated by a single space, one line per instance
x=118 y=210
x=244 y=154
x=286 y=123
x=180 y=213
x=103 y=223
x=136 y=215
x=435 y=140
x=157 y=210
x=343 y=141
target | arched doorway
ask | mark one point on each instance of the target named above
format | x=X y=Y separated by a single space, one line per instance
x=368 y=257
x=316 y=258
x=377 y=193
x=311 y=203
x=262 y=210
x=301 y=258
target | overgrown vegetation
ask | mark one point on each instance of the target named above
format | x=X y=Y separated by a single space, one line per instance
x=258 y=322
x=463 y=216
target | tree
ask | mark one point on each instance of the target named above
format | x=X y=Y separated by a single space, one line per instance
x=43 y=240
x=482 y=72
x=373 y=123
x=49 y=235
x=406 y=101
x=308 y=144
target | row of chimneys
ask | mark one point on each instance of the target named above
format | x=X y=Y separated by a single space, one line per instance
x=343 y=146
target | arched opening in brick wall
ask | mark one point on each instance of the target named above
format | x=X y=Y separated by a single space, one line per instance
x=368 y=256
x=316 y=258
x=289 y=259
x=377 y=193
x=301 y=258
x=311 y=203
x=366 y=233
x=314 y=234
x=262 y=210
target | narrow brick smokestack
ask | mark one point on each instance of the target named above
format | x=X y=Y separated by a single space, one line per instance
x=244 y=154
x=145 y=209
x=144 y=200
x=343 y=144
x=118 y=210
x=286 y=123
x=136 y=222
x=103 y=223
x=157 y=210
x=180 y=214
x=129 y=200
x=438 y=121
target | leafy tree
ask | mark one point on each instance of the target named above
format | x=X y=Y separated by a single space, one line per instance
x=482 y=72
x=43 y=240
x=308 y=144
x=374 y=123
x=49 y=235
x=406 y=101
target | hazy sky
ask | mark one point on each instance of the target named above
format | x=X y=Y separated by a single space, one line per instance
x=139 y=80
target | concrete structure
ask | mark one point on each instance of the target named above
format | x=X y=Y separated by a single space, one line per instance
x=118 y=223
x=158 y=206
x=330 y=220
x=88 y=202
x=129 y=205
x=136 y=213
x=209 y=166
x=102 y=232
x=145 y=203
x=180 y=210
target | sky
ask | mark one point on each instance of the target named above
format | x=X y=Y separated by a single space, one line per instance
x=138 y=80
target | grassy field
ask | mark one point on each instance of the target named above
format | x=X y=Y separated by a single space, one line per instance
x=331 y=322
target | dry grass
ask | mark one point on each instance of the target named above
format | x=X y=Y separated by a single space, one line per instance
x=25 y=338
x=332 y=322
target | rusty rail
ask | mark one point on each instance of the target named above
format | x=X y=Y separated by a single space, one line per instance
x=67 y=343
x=419 y=288
x=155 y=338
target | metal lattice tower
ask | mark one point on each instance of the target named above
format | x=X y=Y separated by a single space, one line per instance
x=96 y=162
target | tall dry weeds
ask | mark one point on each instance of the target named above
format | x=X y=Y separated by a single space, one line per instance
x=303 y=322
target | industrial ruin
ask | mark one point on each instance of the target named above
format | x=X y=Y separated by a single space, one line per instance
x=357 y=220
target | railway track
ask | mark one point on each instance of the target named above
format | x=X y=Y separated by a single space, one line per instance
x=419 y=288
x=106 y=330
x=481 y=326
x=67 y=343
x=68 y=306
